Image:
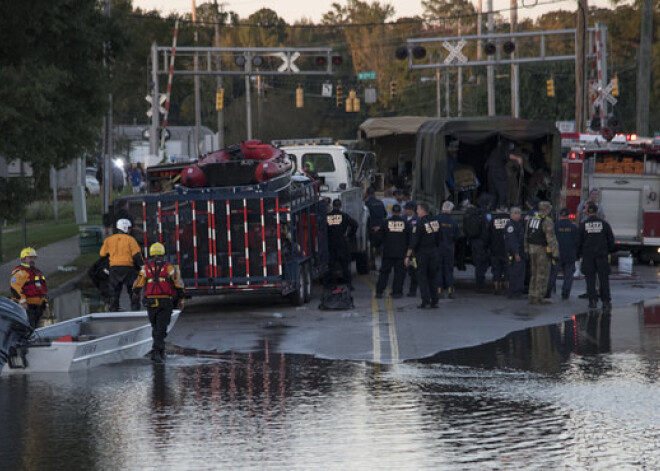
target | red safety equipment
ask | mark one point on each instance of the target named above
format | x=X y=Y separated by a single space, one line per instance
x=158 y=284
x=35 y=286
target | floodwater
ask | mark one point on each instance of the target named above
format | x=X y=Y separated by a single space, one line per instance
x=582 y=394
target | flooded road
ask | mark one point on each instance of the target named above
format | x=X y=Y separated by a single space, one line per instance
x=578 y=394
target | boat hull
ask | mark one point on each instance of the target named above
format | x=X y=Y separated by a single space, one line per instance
x=89 y=341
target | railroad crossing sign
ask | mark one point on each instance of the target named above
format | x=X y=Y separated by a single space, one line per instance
x=455 y=52
x=604 y=94
x=288 y=59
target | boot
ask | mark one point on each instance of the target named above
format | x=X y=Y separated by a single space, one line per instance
x=450 y=293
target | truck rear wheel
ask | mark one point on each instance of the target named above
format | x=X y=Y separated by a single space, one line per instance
x=297 y=298
x=307 y=282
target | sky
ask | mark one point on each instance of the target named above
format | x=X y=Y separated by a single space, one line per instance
x=292 y=10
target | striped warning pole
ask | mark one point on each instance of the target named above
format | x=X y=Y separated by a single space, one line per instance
x=279 y=237
x=600 y=84
x=176 y=236
x=144 y=229
x=229 y=255
x=263 y=239
x=169 y=86
x=194 y=221
x=247 y=241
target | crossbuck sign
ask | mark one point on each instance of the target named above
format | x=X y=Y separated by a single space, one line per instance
x=604 y=94
x=288 y=60
x=455 y=52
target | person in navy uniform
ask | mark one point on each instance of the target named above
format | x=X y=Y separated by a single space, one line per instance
x=595 y=241
x=341 y=227
x=412 y=219
x=480 y=242
x=449 y=233
x=514 y=242
x=377 y=215
x=499 y=259
x=566 y=233
x=424 y=245
x=395 y=242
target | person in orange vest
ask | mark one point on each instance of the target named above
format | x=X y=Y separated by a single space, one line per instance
x=163 y=290
x=125 y=261
x=29 y=288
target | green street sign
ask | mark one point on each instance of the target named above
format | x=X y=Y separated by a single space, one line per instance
x=367 y=75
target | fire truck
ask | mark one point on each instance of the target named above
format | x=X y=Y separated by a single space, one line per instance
x=626 y=170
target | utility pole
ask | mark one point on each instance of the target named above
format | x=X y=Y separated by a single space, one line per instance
x=198 y=110
x=644 y=68
x=221 y=116
x=515 y=102
x=490 y=69
x=108 y=170
x=580 y=66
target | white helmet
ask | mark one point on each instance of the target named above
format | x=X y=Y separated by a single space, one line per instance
x=124 y=225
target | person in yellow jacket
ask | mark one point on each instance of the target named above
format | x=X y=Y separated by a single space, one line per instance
x=125 y=261
x=29 y=288
x=163 y=290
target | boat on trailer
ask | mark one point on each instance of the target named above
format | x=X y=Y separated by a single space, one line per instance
x=84 y=342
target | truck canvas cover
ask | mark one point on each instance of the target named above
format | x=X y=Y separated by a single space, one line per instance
x=473 y=139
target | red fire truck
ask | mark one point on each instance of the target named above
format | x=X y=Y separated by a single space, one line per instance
x=626 y=170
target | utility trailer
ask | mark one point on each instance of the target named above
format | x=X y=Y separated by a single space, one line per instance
x=262 y=238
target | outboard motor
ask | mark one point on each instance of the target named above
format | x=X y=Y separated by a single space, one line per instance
x=15 y=328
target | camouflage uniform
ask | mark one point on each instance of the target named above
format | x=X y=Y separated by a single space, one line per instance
x=540 y=244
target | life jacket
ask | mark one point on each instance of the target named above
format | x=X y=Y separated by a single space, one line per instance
x=535 y=234
x=35 y=286
x=158 y=283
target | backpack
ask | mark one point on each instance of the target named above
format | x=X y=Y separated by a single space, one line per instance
x=337 y=298
x=472 y=222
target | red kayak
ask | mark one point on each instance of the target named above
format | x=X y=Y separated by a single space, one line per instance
x=246 y=163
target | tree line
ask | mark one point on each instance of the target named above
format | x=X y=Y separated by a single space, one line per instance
x=61 y=59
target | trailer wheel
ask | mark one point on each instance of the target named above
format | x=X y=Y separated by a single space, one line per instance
x=307 y=282
x=297 y=298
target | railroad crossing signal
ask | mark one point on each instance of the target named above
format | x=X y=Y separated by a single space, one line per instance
x=393 y=89
x=161 y=100
x=550 y=87
x=606 y=94
x=455 y=52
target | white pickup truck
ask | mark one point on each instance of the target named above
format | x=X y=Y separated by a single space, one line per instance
x=342 y=173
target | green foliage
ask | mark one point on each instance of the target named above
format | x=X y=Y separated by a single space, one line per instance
x=53 y=92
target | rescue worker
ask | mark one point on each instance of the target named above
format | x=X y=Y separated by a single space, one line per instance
x=448 y=235
x=514 y=242
x=424 y=246
x=478 y=240
x=566 y=233
x=163 y=291
x=593 y=197
x=125 y=261
x=541 y=246
x=595 y=241
x=29 y=288
x=497 y=175
x=377 y=215
x=395 y=242
x=410 y=210
x=499 y=259
x=341 y=227
x=308 y=171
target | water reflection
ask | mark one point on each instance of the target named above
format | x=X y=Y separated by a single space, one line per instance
x=577 y=395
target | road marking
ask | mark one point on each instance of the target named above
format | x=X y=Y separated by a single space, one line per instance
x=394 y=342
x=376 y=329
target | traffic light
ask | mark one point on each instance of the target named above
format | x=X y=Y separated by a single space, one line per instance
x=393 y=89
x=219 y=99
x=352 y=102
x=340 y=96
x=550 y=86
x=300 y=97
x=615 y=86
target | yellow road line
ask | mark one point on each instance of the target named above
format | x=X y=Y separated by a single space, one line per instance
x=376 y=323
x=394 y=342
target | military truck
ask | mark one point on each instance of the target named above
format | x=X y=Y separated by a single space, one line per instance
x=451 y=163
x=444 y=146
